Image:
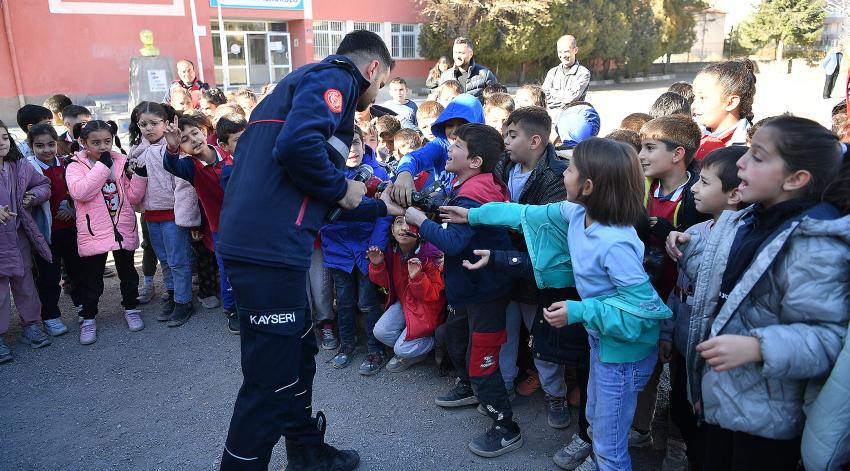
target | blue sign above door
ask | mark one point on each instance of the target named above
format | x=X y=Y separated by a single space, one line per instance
x=262 y=4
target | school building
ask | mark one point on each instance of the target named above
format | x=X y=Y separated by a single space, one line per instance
x=83 y=48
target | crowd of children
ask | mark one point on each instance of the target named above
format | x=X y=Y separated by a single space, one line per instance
x=532 y=255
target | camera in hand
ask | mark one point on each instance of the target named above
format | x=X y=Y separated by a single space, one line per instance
x=364 y=174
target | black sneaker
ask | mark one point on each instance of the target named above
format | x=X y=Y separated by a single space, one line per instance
x=232 y=321
x=343 y=357
x=557 y=412
x=460 y=395
x=372 y=364
x=182 y=313
x=497 y=441
x=167 y=307
x=329 y=340
x=319 y=457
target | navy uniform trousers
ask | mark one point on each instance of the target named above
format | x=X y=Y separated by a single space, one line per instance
x=278 y=364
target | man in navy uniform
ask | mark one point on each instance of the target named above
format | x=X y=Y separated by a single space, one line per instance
x=287 y=178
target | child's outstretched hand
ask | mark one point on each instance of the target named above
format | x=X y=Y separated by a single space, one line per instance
x=674 y=241
x=725 y=352
x=376 y=257
x=414 y=216
x=454 y=214
x=173 y=135
x=481 y=263
x=556 y=314
x=414 y=266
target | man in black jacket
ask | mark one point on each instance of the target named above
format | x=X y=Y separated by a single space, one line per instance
x=472 y=76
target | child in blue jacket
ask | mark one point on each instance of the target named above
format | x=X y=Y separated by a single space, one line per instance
x=344 y=245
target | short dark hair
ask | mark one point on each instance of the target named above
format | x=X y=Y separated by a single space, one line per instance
x=57 y=103
x=685 y=89
x=668 y=104
x=674 y=131
x=399 y=81
x=214 y=96
x=635 y=121
x=626 y=136
x=362 y=45
x=75 y=111
x=202 y=119
x=618 y=181
x=533 y=120
x=537 y=94
x=30 y=115
x=452 y=84
x=724 y=161
x=190 y=122
x=493 y=89
x=229 y=125
x=387 y=124
x=499 y=100
x=482 y=141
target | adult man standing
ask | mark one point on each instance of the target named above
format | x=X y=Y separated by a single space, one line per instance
x=568 y=81
x=188 y=80
x=831 y=66
x=286 y=179
x=472 y=76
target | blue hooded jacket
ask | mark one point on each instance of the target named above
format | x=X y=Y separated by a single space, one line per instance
x=344 y=243
x=433 y=156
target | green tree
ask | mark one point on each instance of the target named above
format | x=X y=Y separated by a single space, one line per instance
x=677 y=24
x=644 y=44
x=784 y=22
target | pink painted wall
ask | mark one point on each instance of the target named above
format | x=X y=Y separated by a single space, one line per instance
x=89 y=55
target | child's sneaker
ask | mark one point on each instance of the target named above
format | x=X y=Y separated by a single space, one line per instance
x=55 y=327
x=574 y=454
x=460 y=395
x=343 y=357
x=588 y=465
x=557 y=412
x=676 y=458
x=497 y=441
x=182 y=313
x=210 y=302
x=483 y=410
x=530 y=384
x=398 y=364
x=372 y=364
x=134 y=320
x=146 y=293
x=108 y=272
x=329 y=340
x=88 y=332
x=5 y=352
x=34 y=337
x=232 y=321
x=639 y=439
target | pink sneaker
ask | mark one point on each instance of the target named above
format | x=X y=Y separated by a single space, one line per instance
x=88 y=332
x=134 y=320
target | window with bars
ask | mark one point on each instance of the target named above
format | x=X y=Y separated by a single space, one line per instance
x=405 y=41
x=326 y=37
x=369 y=26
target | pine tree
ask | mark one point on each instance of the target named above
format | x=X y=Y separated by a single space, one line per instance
x=784 y=22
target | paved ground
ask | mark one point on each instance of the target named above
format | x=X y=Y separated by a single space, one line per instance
x=160 y=399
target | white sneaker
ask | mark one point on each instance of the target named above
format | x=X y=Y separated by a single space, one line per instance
x=55 y=327
x=574 y=454
x=146 y=293
x=88 y=332
x=588 y=465
x=134 y=320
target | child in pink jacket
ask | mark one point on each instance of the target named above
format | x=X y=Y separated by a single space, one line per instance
x=104 y=188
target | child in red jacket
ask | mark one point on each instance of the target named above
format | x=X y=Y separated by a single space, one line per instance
x=415 y=301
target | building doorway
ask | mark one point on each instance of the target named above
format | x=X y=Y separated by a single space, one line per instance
x=256 y=53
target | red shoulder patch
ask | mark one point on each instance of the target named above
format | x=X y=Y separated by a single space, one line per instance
x=333 y=98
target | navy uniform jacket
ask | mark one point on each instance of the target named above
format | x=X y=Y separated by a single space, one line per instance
x=286 y=176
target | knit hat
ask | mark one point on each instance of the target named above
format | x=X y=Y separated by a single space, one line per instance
x=576 y=124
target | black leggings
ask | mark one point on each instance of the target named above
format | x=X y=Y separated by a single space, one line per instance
x=726 y=450
x=149 y=259
x=91 y=280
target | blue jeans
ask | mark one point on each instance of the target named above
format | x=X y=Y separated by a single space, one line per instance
x=227 y=300
x=173 y=249
x=351 y=286
x=391 y=330
x=614 y=387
